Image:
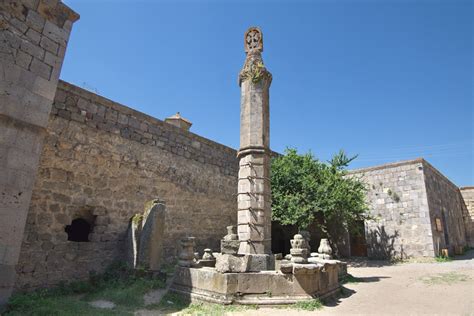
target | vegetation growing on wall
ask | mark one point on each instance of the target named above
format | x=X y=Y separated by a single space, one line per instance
x=305 y=190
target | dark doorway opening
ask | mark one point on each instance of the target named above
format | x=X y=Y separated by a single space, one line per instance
x=281 y=235
x=79 y=230
x=358 y=241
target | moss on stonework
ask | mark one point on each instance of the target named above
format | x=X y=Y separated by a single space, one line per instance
x=137 y=219
x=150 y=204
x=255 y=70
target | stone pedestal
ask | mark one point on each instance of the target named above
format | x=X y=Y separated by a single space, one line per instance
x=186 y=256
x=208 y=259
x=325 y=250
x=230 y=243
x=299 y=249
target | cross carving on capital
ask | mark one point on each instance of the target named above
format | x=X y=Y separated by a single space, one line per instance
x=253 y=40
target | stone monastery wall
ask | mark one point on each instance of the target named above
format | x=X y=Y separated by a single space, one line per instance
x=102 y=161
x=446 y=205
x=398 y=202
x=406 y=199
x=468 y=196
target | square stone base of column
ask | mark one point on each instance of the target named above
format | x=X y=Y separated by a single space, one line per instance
x=260 y=262
x=263 y=288
x=226 y=263
x=230 y=247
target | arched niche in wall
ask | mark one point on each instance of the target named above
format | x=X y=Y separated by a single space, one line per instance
x=81 y=226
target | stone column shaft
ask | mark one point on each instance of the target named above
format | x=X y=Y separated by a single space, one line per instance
x=254 y=194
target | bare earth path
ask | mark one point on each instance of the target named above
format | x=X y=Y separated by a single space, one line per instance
x=406 y=289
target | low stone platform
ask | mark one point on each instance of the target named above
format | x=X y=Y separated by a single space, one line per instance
x=303 y=282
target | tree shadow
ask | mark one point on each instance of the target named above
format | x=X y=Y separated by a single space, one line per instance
x=381 y=245
x=349 y=278
x=364 y=262
x=468 y=255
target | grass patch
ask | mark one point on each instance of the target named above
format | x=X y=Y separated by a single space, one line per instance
x=173 y=302
x=170 y=267
x=214 y=309
x=170 y=303
x=310 y=305
x=444 y=278
x=443 y=259
x=39 y=305
x=119 y=284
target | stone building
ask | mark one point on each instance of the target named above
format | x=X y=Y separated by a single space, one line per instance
x=468 y=214
x=417 y=212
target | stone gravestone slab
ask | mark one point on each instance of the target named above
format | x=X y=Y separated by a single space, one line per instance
x=144 y=242
x=150 y=251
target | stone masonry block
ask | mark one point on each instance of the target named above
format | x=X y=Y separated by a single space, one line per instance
x=40 y=68
x=49 y=45
x=32 y=50
x=231 y=263
x=55 y=33
x=23 y=60
x=35 y=21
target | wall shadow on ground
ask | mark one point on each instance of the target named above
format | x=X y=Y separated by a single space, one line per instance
x=363 y=262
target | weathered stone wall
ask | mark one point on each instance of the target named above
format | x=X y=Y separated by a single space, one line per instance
x=33 y=40
x=468 y=214
x=445 y=203
x=398 y=201
x=103 y=161
x=406 y=198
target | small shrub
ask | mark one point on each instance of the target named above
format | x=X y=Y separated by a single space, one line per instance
x=395 y=197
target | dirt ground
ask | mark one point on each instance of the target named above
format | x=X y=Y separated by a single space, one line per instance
x=445 y=288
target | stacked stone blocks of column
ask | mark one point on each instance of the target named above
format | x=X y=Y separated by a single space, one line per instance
x=33 y=39
x=108 y=160
x=254 y=205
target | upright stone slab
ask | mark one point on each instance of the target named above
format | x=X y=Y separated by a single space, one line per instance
x=33 y=40
x=150 y=247
x=254 y=197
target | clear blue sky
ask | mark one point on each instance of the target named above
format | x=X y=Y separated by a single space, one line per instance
x=388 y=80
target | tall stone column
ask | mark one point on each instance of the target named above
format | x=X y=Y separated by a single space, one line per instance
x=33 y=40
x=254 y=195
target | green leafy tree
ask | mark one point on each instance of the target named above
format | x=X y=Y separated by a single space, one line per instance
x=306 y=190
